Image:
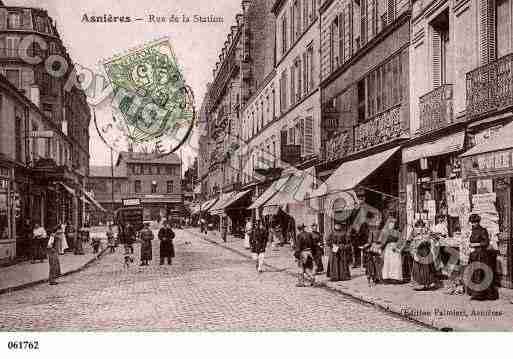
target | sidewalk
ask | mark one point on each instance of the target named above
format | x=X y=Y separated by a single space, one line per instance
x=26 y=274
x=434 y=308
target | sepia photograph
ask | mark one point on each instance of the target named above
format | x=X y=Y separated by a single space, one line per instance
x=255 y=166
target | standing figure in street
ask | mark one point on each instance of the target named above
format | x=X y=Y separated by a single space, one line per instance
x=70 y=236
x=110 y=239
x=53 y=258
x=276 y=237
x=422 y=249
x=392 y=258
x=258 y=244
x=129 y=239
x=224 y=232
x=359 y=238
x=39 y=241
x=83 y=237
x=247 y=234
x=318 y=249
x=340 y=249
x=303 y=252
x=482 y=263
x=146 y=248
x=167 y=249
x=60 y=237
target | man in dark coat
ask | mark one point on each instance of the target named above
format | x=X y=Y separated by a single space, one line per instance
x=258 y=243
x=146 y=248
x=482 y=263
x=318 y=249
x=167 y=249
x=304 y=255
x=129 y=234
x=359 y=237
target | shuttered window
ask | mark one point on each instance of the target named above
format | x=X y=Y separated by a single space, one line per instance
x=363 y=20
x=341 y=37
x=436 y=58
x=487 y=31
x=391 y=10
x=299 y=78
x=503 y=46
x=306 y=90
x=292 y=87
x=308 y=138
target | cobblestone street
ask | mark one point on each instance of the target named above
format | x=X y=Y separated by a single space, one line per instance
x=206 y=288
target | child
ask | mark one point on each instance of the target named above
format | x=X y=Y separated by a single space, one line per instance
x=110 y=240
x=96 y=245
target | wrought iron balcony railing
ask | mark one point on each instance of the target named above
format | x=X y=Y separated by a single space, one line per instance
x=490 y=87
x=382 y=128
x=436 y=109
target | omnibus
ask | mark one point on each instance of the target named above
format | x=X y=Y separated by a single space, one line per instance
x=131 y=212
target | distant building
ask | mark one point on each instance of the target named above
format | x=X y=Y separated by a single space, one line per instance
x=152 y=178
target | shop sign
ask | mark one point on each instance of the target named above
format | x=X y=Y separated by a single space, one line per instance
x=489 y=163
x=132 y=202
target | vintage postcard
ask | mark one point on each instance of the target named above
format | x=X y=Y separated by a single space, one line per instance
x=255 y=166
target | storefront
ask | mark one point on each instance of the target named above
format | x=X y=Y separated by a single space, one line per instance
x=488 y=173
x=7 y=228
x=370 y=182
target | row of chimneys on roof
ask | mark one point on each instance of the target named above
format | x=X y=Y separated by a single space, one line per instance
x=231 y=36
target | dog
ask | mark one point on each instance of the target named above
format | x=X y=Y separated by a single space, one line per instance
x=128 y=260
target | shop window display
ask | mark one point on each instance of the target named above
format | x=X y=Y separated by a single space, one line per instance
x=4 y=219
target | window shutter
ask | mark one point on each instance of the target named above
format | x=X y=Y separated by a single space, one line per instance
x=341 y=37
x=485 y=36
x=492 y=43
x=391 y=10
x=363 y=18
x=292 y=83
x=306 y=90
x=436 y=59
x=299 y=78
x=351 y=28
x=308 y=138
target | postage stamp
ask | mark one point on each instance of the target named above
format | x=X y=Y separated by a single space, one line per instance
x=152 y=102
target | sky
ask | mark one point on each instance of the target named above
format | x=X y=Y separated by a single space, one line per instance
x=197 y=46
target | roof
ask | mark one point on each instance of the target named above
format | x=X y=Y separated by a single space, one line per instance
x=105 y=171
x=139 y=157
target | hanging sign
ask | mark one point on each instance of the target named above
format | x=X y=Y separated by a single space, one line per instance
x=494 y=163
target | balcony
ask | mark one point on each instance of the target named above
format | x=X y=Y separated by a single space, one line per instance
x=337 y=147
x=291 y=154
x=382 y=128
x=490 y=87
x=436 y=109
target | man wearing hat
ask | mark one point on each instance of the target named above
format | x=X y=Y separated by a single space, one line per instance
x=304 y=255
x=146 y=249
x=167 y=249
x=318 y=249
x=481 y=287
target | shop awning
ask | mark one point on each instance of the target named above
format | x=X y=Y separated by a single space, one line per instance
x=351 y=174
x=94 y=202
x=235 y=198
x=195 y=209
x=274 y=188
x=296 y=189
x=70 y=190
x=217 y=209
x=208 y=204
x=441 y=146
x=500 y=142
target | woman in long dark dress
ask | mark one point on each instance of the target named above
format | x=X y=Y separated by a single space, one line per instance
x=53 y=258
x=340 y=254
x=423 y=247
x=146 y=248
x=167 y=249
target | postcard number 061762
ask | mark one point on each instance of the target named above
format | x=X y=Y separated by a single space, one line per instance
x=23 y=345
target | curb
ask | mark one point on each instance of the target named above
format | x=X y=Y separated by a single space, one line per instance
x=359 y=299
x=42 y=281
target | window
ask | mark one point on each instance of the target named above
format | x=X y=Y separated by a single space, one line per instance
x=13 y=21
x=311 y=68
x=137 y=186
x=14 y=77
x=283 y=91
x=137 y=170
x=297 y=12
x=284 y=34
x=292 y=85
x=306 y=15
x=17 y=134
x=292 y=26
x=440 y=45
x=13 y=44
x=299 y=78
x=147 y=169
x=502 y=27
x=154 y=187
x=334 y=45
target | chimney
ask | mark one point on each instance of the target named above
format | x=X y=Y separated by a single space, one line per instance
x=245 y=6
x=239 y=19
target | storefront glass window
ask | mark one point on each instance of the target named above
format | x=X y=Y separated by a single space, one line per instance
x=4 y=219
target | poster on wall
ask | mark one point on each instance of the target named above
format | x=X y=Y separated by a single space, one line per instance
x=484 y=206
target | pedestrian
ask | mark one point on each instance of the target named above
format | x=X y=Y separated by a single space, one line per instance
x=146 y=247
x=258 y=243
x=60 y=237
x=303 y=251
x=129 y=238
x=338 y=263
x=224 y=227
x=392 y=258
x=70 y=236
x=422 y=250
x=83 y=237
x=53 y=257
x=276 y=237
x=39 y=241
x=110 y=239
x=483 y=264
x=359 y=238
x=167 y=249
x=318 y=249
x=247 y=234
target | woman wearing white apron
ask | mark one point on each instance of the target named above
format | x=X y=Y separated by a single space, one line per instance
x=247 y=234
x=392 y=257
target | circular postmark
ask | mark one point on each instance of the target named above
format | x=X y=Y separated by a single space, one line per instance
x=152 y=105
